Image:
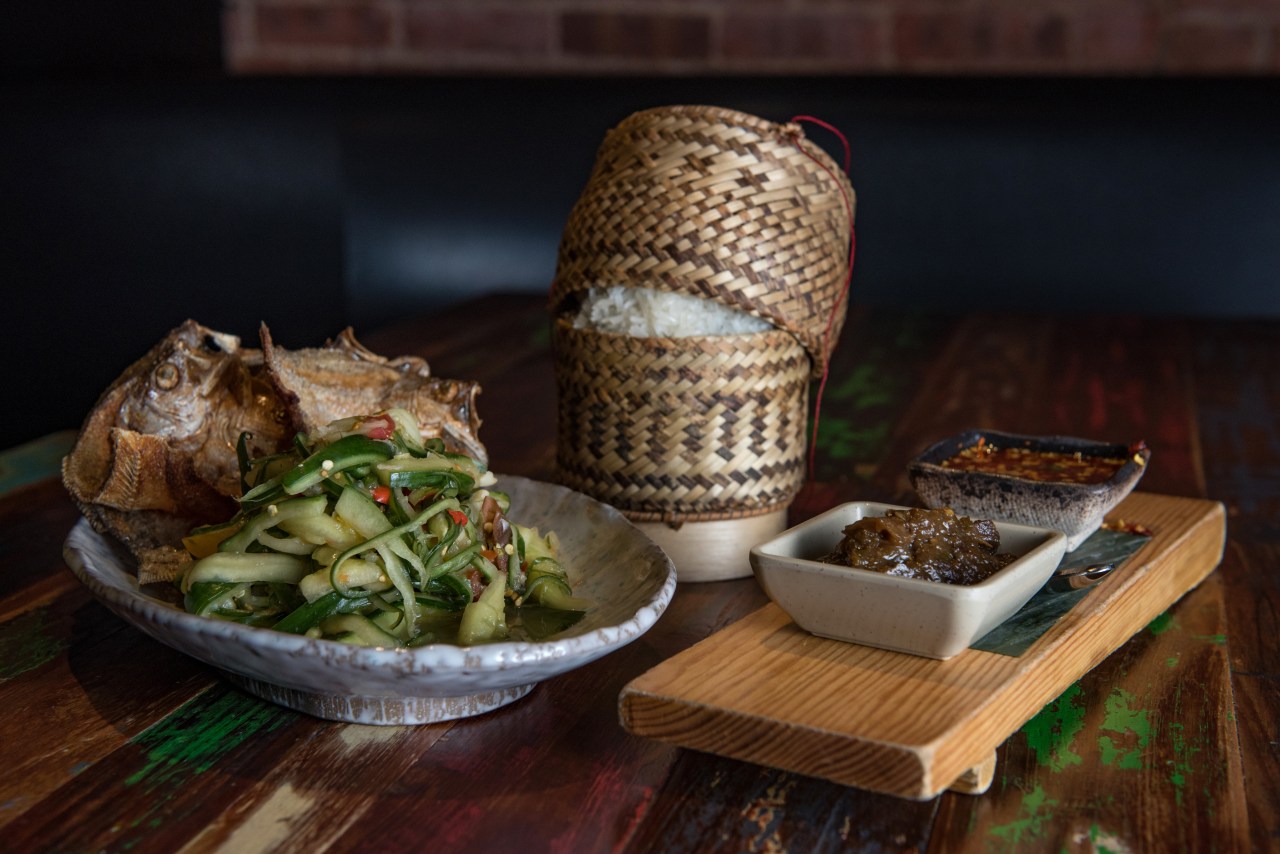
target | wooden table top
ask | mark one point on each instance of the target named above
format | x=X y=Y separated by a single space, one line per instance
x=112 y=741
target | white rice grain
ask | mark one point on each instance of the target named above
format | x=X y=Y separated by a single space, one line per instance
x=649 y=313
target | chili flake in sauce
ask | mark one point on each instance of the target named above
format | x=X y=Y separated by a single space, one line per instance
x=1030 y=464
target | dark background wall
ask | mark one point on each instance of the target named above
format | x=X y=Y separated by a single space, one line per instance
x=141 y=185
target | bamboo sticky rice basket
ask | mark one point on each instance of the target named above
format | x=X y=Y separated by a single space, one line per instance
x=693 y=434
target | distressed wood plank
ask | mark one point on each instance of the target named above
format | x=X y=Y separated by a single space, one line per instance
x=166 y=783
x=570 y=775
x=1134 y=763
x=1238 y=397
x=94 y=683
x=711 y=803
x=164 y=755
x=327 y=780
x=34 y=520
x=873 y=376
x=78 y=681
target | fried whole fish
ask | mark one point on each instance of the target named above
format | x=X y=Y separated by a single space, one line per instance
x=156 y=455
x=343 y=378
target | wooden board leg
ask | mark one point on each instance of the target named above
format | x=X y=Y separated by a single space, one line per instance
x=977 y=779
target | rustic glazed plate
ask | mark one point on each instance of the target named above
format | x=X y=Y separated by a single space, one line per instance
x=630 y=580
x=1076 y=509
x=911 y=615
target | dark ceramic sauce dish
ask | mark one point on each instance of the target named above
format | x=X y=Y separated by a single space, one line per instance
x=1076 y=509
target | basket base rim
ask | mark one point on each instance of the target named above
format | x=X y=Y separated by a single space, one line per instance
x=675 y=518
x=715 y=549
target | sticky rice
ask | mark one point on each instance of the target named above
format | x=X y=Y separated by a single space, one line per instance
x=649 y=313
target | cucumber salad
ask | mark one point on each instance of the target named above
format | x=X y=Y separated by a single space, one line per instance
x=365 y=534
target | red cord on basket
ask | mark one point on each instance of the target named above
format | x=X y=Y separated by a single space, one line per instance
x=825 y=125
x=844 y=290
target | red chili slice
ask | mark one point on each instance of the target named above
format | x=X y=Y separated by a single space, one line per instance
x=380 y=427
x=381 y=494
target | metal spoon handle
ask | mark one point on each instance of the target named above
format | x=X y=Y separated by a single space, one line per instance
x=1079 y=577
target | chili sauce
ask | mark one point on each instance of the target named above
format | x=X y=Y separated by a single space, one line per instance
x=1031 y=464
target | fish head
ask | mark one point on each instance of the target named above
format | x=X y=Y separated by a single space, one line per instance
x=168 y=396
x=176 y=386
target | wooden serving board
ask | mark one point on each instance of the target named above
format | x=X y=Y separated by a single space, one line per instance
x=765 y=691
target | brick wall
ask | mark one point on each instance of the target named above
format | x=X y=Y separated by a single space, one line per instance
x=1073 y=37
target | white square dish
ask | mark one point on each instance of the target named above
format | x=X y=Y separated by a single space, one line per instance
x=909 y=615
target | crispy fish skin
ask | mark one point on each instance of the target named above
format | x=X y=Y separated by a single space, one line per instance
x=343 y=378
x=163 y=435
x=156 y=456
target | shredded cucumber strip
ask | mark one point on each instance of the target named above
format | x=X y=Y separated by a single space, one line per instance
x=218 y=603
x=288 y=545
x=284 y=512
x=379 y=572
x=363 y=631
x=485 y=619
x=456 y=562
x=401 y=581
x=385 y=537
x=246 y=567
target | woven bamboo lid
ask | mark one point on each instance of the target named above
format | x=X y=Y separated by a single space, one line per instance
x=722 y=205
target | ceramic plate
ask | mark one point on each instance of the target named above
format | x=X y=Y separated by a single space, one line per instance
x=609 y=561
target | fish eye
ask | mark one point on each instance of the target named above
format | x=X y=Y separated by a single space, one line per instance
x=167 y=375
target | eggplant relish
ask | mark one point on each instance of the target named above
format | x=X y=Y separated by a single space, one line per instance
x=933 y=545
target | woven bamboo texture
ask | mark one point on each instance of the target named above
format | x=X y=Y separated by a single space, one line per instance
x=682 y=429
x=721 y=205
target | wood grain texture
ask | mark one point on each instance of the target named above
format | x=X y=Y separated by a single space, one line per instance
x=116 y=743
x=1149 y=731
x=1124 y=379
x=1238 y=407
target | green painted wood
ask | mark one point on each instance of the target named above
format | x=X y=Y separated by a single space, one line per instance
x=34 y=460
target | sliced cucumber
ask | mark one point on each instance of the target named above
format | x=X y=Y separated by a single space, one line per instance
x=357 y=629
x=322 y=530
x=347 y=452
x=354 y=573
x=246 y=567
x=486 y=618
x=361 y=512
x=293 y=508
